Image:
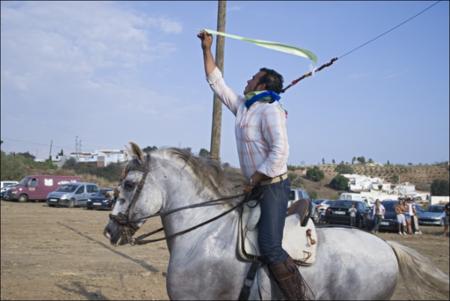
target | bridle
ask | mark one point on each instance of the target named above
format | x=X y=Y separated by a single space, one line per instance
x=130 y=227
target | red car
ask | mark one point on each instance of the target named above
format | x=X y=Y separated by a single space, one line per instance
x=37 y=187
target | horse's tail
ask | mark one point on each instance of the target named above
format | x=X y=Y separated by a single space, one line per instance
x=424 y=279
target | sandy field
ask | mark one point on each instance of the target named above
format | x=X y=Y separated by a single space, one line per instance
x=61 y=254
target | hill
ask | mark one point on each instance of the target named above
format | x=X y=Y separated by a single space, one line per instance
x=420 y=175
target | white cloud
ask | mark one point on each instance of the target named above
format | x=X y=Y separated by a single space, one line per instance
x=76 y=68
x=78 y=37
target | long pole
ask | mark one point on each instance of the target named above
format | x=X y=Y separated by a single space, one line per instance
x=217 y=106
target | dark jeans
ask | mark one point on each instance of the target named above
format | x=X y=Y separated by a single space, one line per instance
x=273 y=201
x=376 y=222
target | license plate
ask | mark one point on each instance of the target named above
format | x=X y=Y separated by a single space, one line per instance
x=339 y=212
x=384 y=223
x=97 y=204
x=53 y=200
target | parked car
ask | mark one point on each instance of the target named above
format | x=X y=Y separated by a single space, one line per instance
x=322 y=205
x=434 y=215
x=37 y=187
x=337 y=213
x=104 y=199
x=389 y=222
x=299 y=194
x=5 y=186
x=72 y=195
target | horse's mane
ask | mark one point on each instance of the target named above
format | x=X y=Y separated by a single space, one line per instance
x=221 y=179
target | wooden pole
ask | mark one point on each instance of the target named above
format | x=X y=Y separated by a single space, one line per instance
x=217 y=106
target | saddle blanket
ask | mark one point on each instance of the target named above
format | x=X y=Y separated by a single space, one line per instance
x=300 y=242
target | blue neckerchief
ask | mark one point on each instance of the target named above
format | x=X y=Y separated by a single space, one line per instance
x=274 y=96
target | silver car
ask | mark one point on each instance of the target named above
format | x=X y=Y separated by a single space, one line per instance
x=433 y=216
x=72 y=195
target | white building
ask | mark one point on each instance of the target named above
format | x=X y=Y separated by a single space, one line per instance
x=102 y=157
x=108 y=156
x=358 y=183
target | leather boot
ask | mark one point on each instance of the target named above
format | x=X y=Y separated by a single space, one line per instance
x=289 y=279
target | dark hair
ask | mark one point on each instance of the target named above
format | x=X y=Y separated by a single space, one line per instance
x=272 y=79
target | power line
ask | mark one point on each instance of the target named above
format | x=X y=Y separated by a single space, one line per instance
x=388 y=31
x=46 y=144
x=308 y=74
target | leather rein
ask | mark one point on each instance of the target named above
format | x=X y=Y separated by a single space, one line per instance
x=124 y=220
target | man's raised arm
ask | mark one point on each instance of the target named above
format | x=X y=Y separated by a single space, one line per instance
x=208 y=58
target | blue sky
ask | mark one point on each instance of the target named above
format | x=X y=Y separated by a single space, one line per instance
x=113 y=72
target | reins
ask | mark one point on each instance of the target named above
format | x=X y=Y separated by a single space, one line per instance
x=124 y=220
x=140 y=239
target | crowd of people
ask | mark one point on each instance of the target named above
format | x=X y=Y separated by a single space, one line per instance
x=407 y=220
x=406 y=213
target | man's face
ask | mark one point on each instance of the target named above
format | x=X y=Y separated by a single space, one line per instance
x=253 y=83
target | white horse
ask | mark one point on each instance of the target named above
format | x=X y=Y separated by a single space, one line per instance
x=351 y=264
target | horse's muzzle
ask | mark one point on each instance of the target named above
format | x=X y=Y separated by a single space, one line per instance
x=118 y=234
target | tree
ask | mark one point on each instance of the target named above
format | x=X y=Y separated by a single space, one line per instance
x=333 y=161
x=439 y=188
x=343 y=169
x=149 y=149
x=12 y=167
x=70 y=164
x=27 y=155
x=61 y=153
x=353 y=160
x=388 y=163
x=323 y=160
x=361 y=160
x=204 y=153
x=370 y=160
x=314 y=174
x=339 y=182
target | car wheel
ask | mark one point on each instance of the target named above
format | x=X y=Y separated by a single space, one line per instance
x=71 y=203
x=23 y=198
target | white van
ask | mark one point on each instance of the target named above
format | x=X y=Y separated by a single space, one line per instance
x=349 y=196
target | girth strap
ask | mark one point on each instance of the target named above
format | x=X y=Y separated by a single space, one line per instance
x=248 y=282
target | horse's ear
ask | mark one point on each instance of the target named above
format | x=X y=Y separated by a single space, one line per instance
x=137 y=152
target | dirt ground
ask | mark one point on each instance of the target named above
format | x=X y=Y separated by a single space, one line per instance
x=61 y=254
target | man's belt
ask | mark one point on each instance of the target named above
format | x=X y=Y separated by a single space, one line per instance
x=274 y=180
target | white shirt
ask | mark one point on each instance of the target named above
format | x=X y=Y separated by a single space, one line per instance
x=261 y=134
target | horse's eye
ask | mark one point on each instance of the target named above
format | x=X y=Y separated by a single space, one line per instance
x=128 y=185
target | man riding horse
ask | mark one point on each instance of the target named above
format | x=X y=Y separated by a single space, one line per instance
x=263 y=150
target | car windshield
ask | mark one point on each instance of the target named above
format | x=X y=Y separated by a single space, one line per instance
x=24 y=181
x=343 y=204
x=436 y=209
x=67 y=188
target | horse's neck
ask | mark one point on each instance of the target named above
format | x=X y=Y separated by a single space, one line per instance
x=218 y=233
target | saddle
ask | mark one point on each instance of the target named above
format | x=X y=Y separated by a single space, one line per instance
x=299 y=237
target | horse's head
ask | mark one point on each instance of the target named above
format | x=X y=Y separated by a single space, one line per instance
x=139 y=197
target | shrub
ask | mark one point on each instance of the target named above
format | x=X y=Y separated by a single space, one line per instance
x=314 y=174
x=439 y=188
x=339 y=182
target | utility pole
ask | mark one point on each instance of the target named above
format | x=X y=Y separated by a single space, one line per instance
x=217 y=107
x=50 y=153
x=77 y=155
